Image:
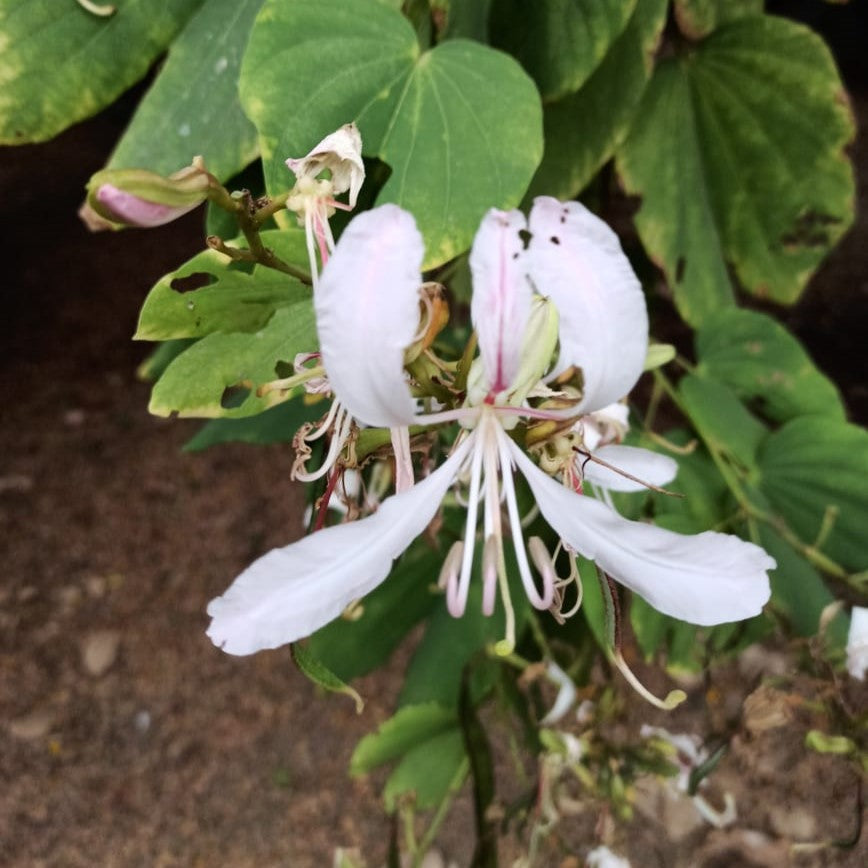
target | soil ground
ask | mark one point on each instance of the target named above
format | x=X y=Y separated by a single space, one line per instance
x=127 y=739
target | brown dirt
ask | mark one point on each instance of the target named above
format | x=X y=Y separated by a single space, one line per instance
x=177 y=754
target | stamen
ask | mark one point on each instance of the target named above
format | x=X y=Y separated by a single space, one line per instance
x=600 y=461
x=318 y=221
x=343 y=426
x=540 y=556
x=326 y=423
x=673 y=698
x=457 y=601
x=537 y=600
x=311 y=249
x=451 y=564
x=490 y=556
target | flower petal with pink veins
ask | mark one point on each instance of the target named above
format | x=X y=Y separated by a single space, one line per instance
x=706 y=579
x=367 y=314
x=501 y=295
x=575 y=259
x=290 y=592
x=650 y=467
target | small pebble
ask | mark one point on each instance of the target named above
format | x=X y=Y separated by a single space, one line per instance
x=99 y=650
x=31 y=726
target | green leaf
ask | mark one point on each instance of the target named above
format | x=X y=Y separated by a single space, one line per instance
x=559 y=42
x=465 y=19
x=759 y=359
x=410 y=726
x=706 y=498
x=582 y=129
x=737 y=153
x=60 y=64
x=434 y=673
x=798 y=590
x=151 y=369
x=698 y=18
x=722 y=420
x=192 y=107
x=197 y=382
x=354 y=648
x=428 y=771
x=813 y=471
x=323 y=676
x=276 y=425
x=228 y=300
x=459 y=125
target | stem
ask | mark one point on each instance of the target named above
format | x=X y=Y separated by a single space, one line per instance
x=752 y=511
x=455 y=786
x=278 y=203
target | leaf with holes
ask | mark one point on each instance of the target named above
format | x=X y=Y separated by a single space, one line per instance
x=760 y=360
x=460 y=125
x=206 y=295
x=192 y=107
x=582 y=129
x=218 y=375
x=737 y=151
x=60 y=64
x=813 y=472
x=559 y=42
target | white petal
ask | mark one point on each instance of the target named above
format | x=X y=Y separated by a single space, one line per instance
x=367 y=314
x=576 y=260
x=651 y=467
x=293 y=591
x=710 y=578
x=857 y=643
x=341 y=153
x=501 y=295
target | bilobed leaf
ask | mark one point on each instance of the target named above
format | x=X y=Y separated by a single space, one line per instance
x=192 y=107
x=196 y=383
x=322 y=676
x=409 y=726
x=722 y=420
x=813 y=471
x=229 y=301
x=428 y=771
x=152 y=367
x=759 y=359
x=737 y=153
x=582 y=129
x=698 y=18
x=459 y=125
x=559 y=42
x=60 y=64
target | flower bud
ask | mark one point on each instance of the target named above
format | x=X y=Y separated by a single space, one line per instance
x=117 y=198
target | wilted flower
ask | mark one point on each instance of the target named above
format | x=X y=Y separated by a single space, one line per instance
x=313 y=198
x=367 y=315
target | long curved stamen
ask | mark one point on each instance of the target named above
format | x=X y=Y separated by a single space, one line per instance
x=673 y=698
x=457 y=601
x=448 y=578
x=326 y=424
x=311 y=248
x=537 y=600
x=490 y=557
x=343 y=426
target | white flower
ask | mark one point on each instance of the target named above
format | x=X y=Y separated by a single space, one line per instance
x=313 y=198
x=857 y=643
x=367 y=315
